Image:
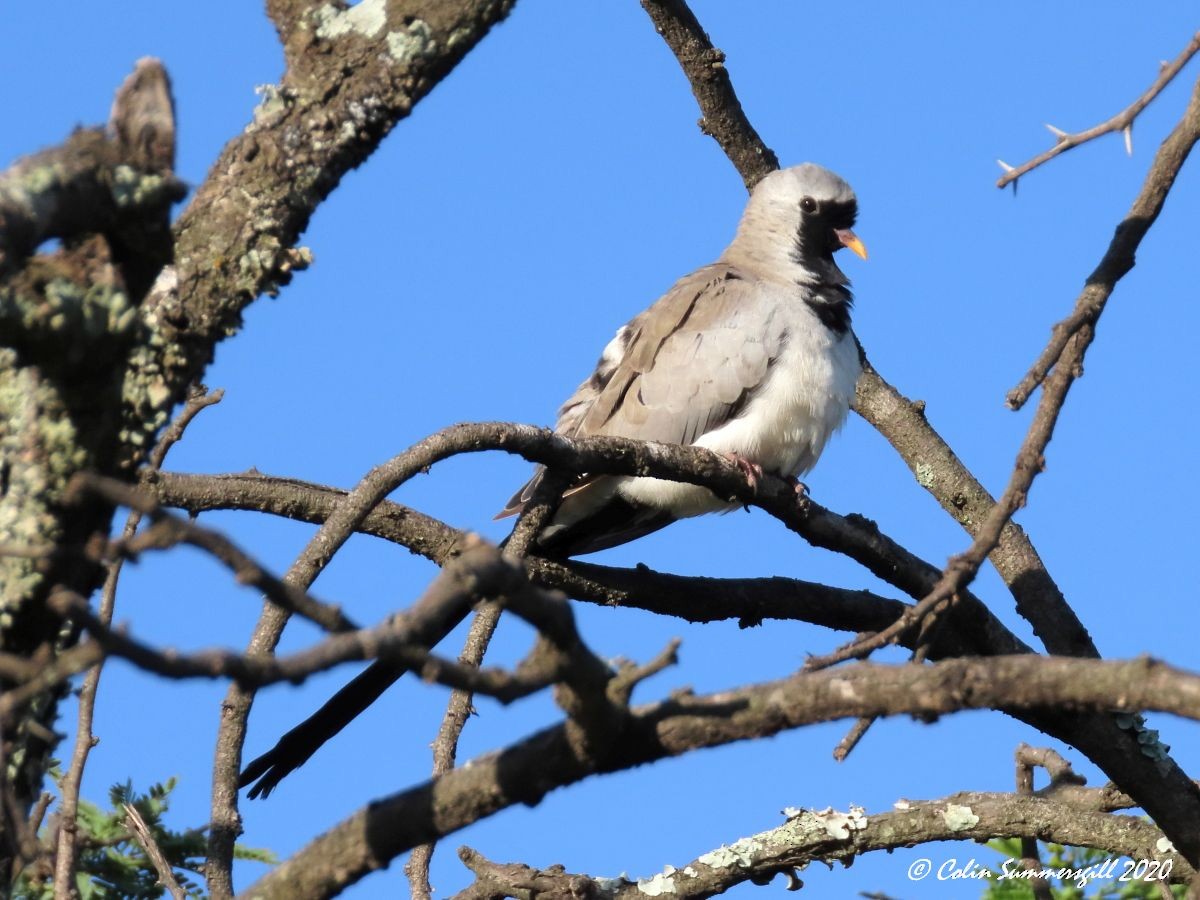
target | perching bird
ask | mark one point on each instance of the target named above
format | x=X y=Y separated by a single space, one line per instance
x=751 y=357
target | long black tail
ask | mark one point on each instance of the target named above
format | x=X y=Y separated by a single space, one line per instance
x=615 y=523
x=293 y=749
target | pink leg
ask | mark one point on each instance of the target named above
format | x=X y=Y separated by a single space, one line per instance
x=752 y=471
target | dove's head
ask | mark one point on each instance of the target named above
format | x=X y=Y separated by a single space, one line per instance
x=795 y=221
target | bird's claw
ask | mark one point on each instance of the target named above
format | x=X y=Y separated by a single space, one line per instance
x=801 y=490
x=752 y=471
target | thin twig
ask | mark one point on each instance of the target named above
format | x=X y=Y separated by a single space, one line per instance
x=461 y=705
x=66 y=665
x=1158 y=782
x=1122 y=121
x=459 y=708
x=862 y=647
x=141 y=833
x=1120 y=256
x=1060 y=771
x=1117 y=261
x=693 y=599
x=21 y=844
x=391 y=642
x=36 y=816
x=856 y=733
x=525 y=771
x=1030 y=860
x=938 y=469
x=168 y=531
x=65 y=857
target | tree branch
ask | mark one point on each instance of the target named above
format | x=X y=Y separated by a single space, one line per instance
x=352 y=74
x=64 y=863
x=1122 y=121
x=526 y=771
x=141 y=833
x=169 y=531
x=704 y=65
x=1119 y=258
x=832 y=837
x=1158 y=781
x=98 y=180
x=852 y=535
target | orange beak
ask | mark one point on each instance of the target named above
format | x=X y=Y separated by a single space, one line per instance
x=849 y=239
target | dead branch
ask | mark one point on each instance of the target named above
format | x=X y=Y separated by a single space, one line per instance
x=1119 y=258
x=526 y=771
x=1175 y=799
x=65 y=857
x=832 y=836
x=141 y=833
x=169 y=531
x=704 y=65
x=1122 y=121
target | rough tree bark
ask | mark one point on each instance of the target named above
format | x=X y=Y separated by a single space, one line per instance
x=103 y=335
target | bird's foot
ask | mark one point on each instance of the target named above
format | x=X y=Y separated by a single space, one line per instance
x=752 y=471
x=801 y=490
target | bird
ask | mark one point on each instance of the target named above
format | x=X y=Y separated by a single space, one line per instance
x=751 y=356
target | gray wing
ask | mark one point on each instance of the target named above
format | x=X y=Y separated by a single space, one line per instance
x=697 y=356
x=680 y=369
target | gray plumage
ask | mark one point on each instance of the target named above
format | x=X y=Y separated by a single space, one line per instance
x=751 y=356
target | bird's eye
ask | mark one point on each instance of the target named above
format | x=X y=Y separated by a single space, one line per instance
x=808 y=204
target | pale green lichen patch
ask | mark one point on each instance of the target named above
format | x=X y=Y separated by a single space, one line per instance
x=36 y=191
x=741 y=853
x=367 y=18
x=67 y=312
x=146 y=397
x=276 y=100
x=926 y=475
x=414 y=42
x=42 y=179
x=131 y=188
x=803 y=828
x=841 y=825
x=610 y=886
x=959 y=818
x=660 y=885
x=40 y=451
x=457 y=36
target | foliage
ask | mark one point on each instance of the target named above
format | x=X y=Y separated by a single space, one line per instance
x=114 y=866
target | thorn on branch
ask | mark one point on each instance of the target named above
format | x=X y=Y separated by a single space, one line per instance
x=1122 y=121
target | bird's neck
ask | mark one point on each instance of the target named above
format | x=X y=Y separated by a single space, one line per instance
x=775 y=256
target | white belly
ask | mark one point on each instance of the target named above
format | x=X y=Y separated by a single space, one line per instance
x=784 y=426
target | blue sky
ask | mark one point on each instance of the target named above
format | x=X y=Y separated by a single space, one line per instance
x=553 y=186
